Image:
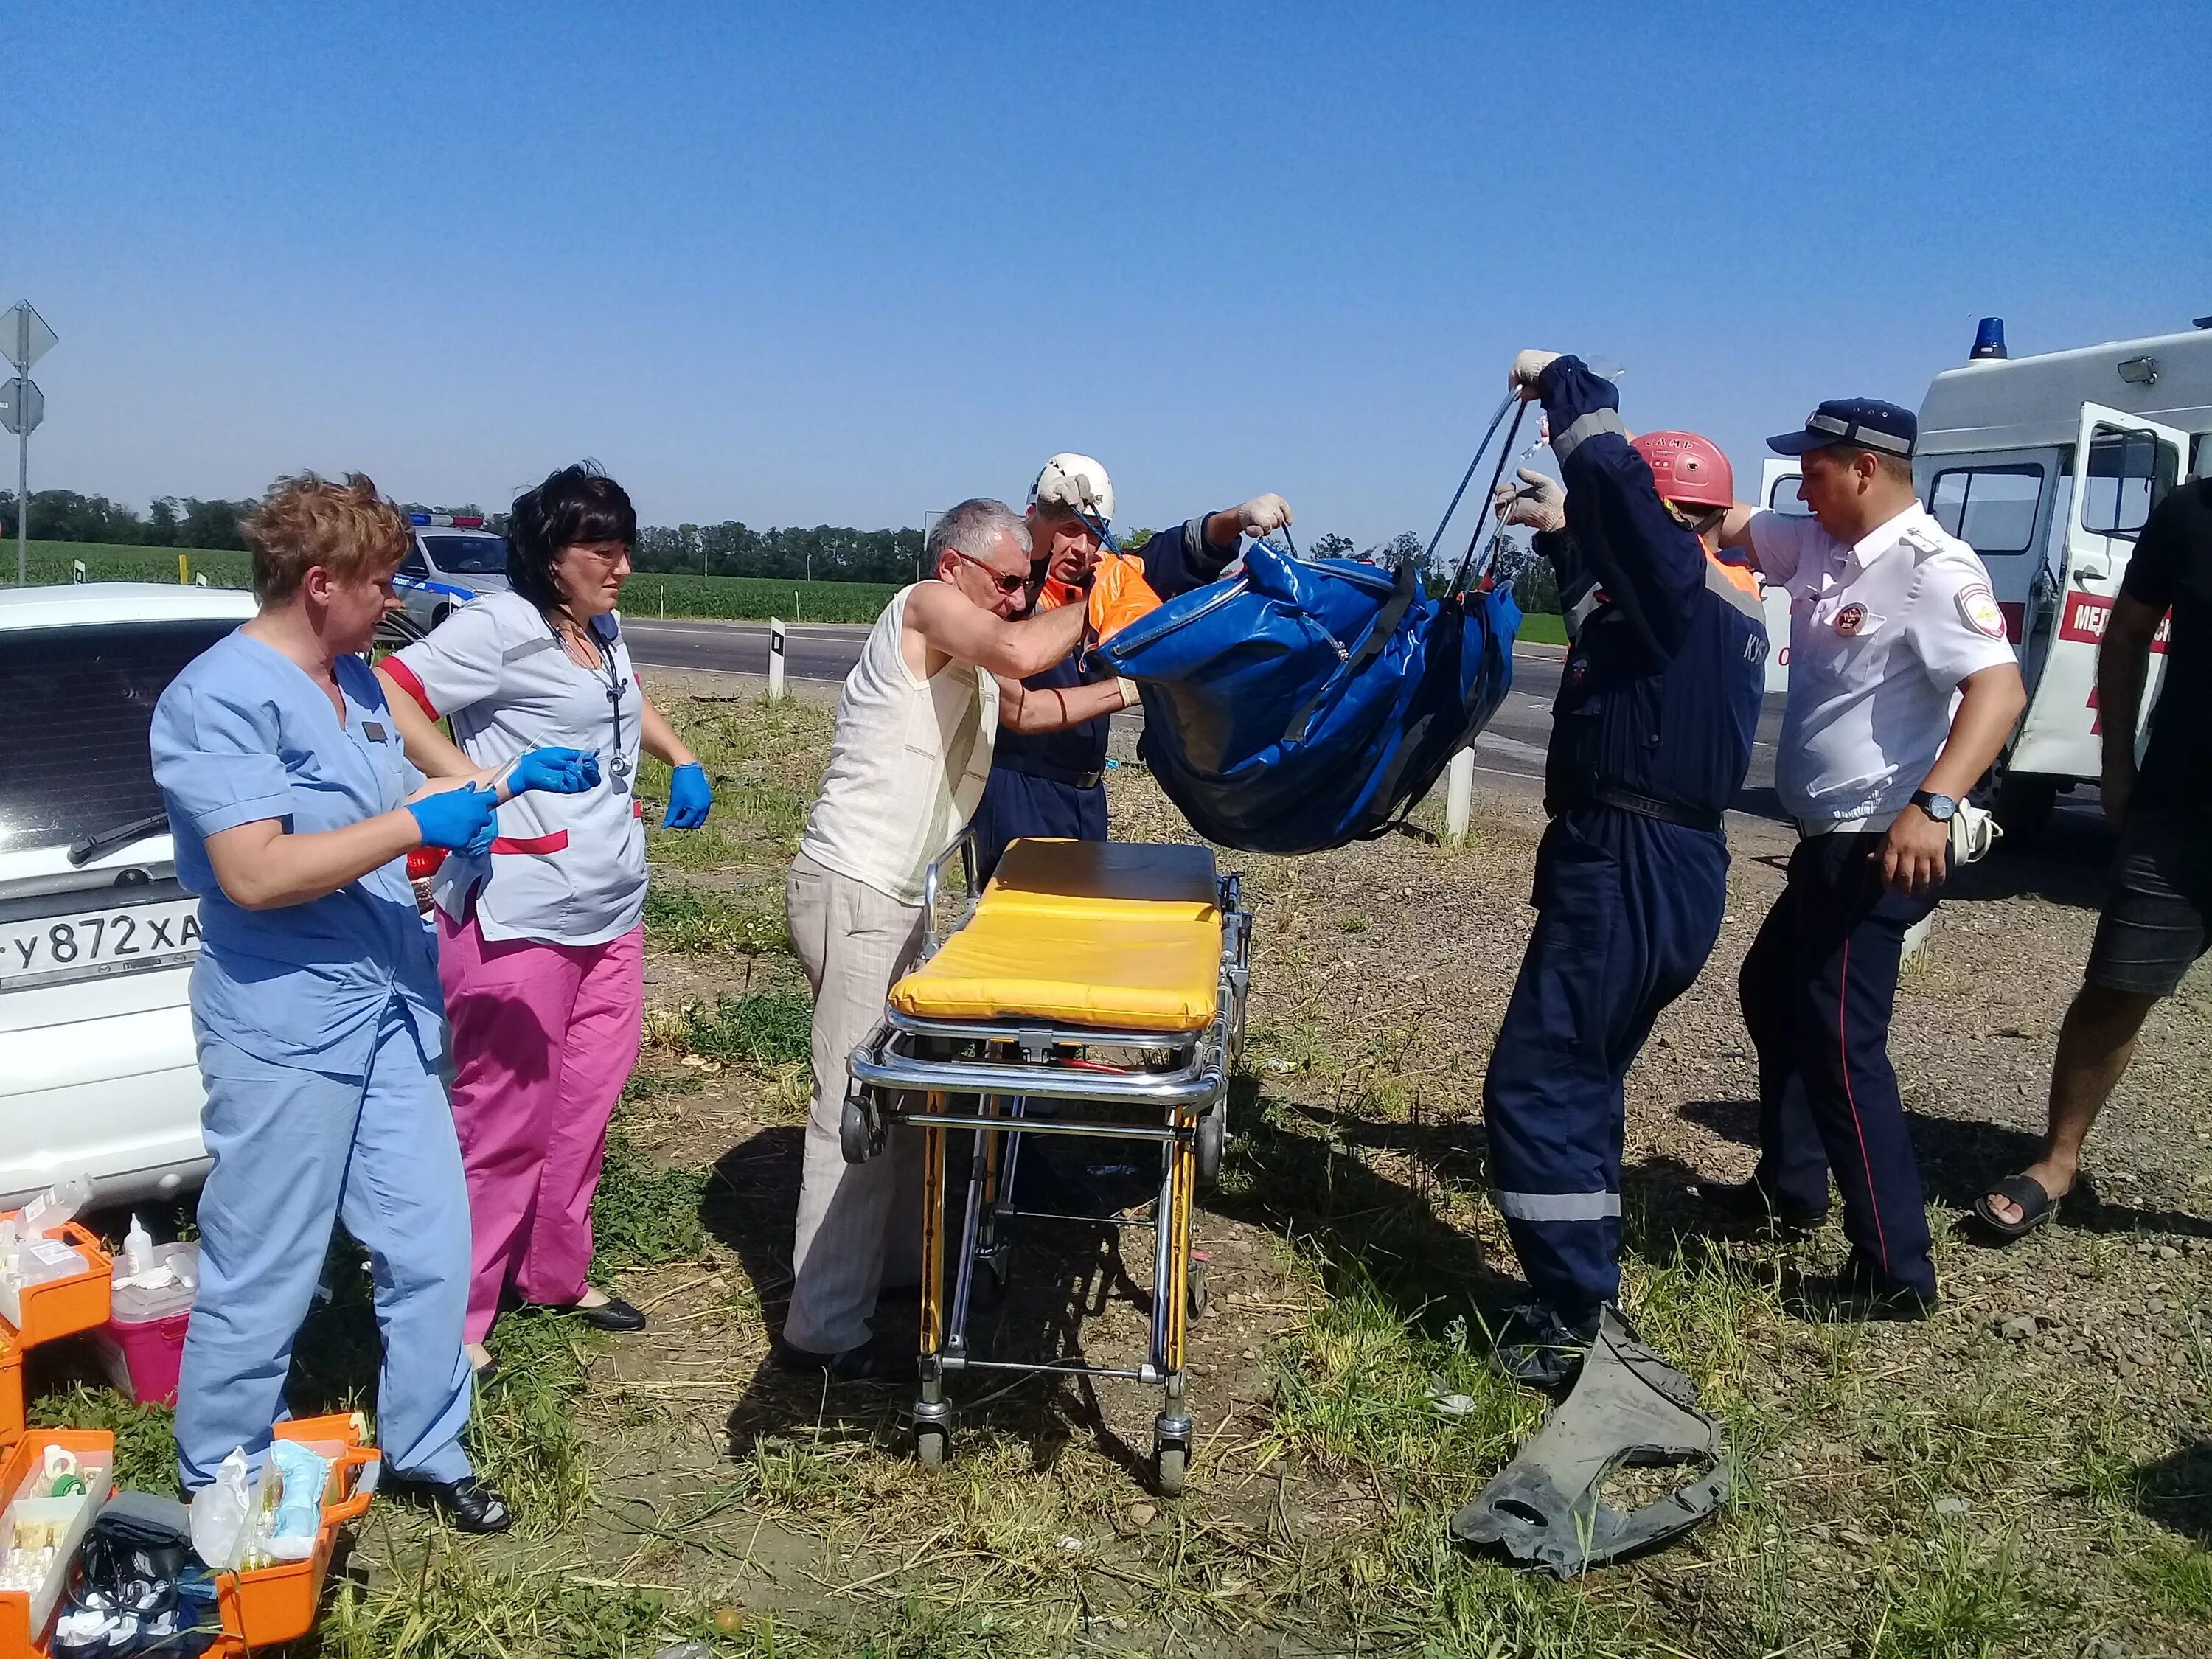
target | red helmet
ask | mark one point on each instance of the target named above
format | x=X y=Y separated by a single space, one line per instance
x=1687 y=469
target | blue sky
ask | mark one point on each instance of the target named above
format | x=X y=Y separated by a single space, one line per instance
x=843 y=264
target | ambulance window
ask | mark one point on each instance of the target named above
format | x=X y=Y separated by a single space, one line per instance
x=2128 y=473
x=1990 y=508
x=1784 y=499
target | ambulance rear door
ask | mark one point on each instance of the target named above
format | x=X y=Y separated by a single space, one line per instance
x=2123 y=466
x=1778 y=490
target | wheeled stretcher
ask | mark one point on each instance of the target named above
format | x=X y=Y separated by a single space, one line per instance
x=1093 y=989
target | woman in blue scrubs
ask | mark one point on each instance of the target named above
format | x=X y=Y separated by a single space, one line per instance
x=315 y=999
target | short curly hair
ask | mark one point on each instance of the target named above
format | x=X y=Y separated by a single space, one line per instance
x=306 y=520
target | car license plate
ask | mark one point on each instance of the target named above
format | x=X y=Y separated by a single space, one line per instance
x=95 y=943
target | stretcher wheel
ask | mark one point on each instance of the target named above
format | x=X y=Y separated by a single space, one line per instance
x=1170 y=1464
x=1213 y=1136
x=1200 y=1295
x=929 y=1446
x=859 y=1129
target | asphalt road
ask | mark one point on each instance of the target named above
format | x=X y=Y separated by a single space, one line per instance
x=1513 y=743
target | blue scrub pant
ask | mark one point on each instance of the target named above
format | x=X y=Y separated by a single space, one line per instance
x=1017 y=804
x=1627 y=911
x=296 y=1150
x=1818 y=989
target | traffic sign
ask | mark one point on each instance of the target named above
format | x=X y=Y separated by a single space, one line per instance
x=22 y=405
x=24 y=335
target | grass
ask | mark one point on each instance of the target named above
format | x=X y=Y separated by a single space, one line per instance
x=762 y=1028
x=704 y=920
x=1542 y=627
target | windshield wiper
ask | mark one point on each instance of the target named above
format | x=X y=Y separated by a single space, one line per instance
x=88 y=847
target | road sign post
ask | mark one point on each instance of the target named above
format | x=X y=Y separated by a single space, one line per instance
x=774 y=661
x=25 y=338
x=1459 y=795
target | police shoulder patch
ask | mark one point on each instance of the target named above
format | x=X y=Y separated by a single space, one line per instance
x=1978 y=608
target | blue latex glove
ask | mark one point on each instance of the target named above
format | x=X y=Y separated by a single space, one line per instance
x=559 y=771
x=689 y=795
x=459 y=820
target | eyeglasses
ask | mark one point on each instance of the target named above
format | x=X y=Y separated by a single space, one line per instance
x=1000 y=578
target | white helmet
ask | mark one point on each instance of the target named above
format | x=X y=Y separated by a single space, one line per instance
x=1075 y=484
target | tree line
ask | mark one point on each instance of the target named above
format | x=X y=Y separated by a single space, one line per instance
x=823 y=553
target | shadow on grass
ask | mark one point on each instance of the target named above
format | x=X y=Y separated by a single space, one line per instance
x=1060 y=1280
x=2176 y=1491
x=1959 y=1158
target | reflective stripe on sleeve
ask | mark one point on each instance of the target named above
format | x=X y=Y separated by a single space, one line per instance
x=1597 y=421
x=1559 y=1206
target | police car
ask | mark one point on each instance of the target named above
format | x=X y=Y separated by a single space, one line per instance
x=454 y=560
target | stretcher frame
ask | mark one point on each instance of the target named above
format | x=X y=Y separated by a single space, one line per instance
x=1169 y=1088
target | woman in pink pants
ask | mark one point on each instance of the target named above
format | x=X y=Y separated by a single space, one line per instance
x=541 y=943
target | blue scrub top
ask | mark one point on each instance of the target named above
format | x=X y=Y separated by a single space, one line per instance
x=243 y=735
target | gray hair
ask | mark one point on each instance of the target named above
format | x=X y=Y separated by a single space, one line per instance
x=974 y=528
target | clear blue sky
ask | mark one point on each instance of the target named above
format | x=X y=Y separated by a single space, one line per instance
x=842 y=264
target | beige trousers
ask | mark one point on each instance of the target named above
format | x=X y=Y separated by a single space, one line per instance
x=857 y=1222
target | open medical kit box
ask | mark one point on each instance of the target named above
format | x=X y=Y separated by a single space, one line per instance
x=264 y=1605
x=52 y=1484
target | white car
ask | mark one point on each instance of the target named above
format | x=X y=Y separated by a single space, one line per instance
x=453 y=560
x=97 y=1071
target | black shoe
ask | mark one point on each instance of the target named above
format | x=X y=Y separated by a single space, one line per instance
x=1748 y=1205
x=1860 y=1291
x=612 y=1314
x=470 y=1505
x=872 y=1362
x=1536 y=1348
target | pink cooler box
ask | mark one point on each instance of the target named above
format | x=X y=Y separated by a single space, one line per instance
x=143 y=1340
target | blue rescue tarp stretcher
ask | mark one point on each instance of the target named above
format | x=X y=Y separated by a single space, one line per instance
x=1309 y=703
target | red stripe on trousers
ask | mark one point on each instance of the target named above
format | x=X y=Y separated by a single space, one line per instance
x=1843 y=1044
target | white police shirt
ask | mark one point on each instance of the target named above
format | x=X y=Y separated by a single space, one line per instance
x=566 y=869
x=1881 y=632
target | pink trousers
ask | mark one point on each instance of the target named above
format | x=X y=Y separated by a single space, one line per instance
x=544 y=1036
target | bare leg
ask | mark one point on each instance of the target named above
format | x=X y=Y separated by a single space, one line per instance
x=2095 y=1046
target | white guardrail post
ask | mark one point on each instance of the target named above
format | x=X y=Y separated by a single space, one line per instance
x=1459 y=794
x=775 y=659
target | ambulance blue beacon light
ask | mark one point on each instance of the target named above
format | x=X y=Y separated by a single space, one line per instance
x=1989 y=339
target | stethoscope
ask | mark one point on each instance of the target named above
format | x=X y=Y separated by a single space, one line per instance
x=618 y=762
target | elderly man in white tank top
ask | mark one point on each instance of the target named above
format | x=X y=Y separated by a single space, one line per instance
x=941 y=672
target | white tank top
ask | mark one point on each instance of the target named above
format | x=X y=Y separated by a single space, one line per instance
x=907 y=765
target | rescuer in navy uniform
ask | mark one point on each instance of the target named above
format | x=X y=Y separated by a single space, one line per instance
x=1053 y=784
x=1651 y=736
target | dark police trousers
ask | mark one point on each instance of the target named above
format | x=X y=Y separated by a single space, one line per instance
x=1017 y=804
x=1818 y=989
x=1628 y=908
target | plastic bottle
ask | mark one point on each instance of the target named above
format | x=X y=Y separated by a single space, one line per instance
x=58 y=1203
x=137 y=1249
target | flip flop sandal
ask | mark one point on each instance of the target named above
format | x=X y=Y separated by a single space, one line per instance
x=2036 y=1206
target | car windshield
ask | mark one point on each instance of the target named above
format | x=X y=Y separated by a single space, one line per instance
x=468 y=556
x=80 y=702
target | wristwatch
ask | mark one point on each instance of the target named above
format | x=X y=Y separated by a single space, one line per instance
x=1938 y=807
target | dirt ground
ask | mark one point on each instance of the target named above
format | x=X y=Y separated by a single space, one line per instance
x=2028 y=1473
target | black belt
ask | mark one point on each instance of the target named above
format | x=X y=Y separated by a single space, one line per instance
x=1651 y=807
x=1051 y=774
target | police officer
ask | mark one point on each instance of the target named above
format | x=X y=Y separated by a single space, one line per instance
x=1890 y=619
x=1053 y=784
x=1651 y=735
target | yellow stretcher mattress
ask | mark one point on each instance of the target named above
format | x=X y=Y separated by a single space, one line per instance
x=1117 y=935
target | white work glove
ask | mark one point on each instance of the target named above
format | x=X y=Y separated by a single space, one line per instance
x=1527 y=369
x=1067 y=495
x=1263 y=513
x=1540 y=503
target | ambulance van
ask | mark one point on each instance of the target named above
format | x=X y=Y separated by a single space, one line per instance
x=2048 y=466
